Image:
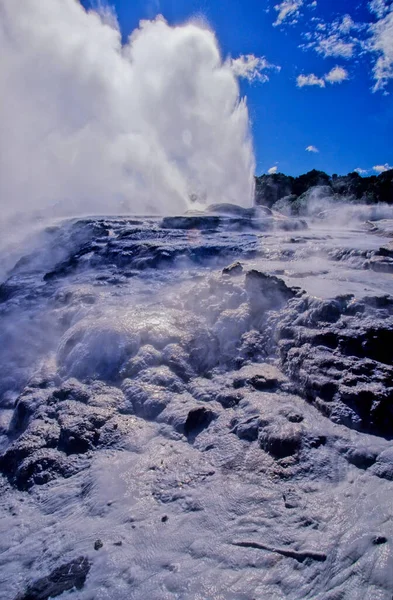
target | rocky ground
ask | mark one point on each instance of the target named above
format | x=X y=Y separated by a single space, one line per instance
x=198 y=407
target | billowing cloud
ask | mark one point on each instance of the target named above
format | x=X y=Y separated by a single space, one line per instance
x=312 y=149
x=272 y=170
x=91 y=125
x=336 y=75
x=382 y=168
x=252 y=68
x=309 y=80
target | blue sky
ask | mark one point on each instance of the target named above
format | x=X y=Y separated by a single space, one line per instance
x=332 y=90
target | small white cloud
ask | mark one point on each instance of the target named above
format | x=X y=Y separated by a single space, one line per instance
x=272 y=170
x=288 y=10
x=312 y=149
x=382 y=168
x=304 y=80
x=336 y=75
x=361 y=171
x=347 y=24
x=251 y=67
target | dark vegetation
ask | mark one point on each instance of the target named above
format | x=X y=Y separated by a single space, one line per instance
x=270 y=189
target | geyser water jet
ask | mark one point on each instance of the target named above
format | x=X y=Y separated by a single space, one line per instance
x=93 y=126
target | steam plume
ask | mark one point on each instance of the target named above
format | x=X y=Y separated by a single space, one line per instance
x=89 y=125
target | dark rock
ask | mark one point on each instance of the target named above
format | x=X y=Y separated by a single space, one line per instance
x=235 y=268
x=338 y=353
x=72 y=389
x=98 y=544
x=191 y=222
x=280 y=439
x=197 y=420
x=383 y=466
x=379 y=539
x=269 y=189
x=145 y=400
x=247 y=429
x=228 y=399
x=360 y=456
x=43 y=466
x=266 y=292
x=62 y=579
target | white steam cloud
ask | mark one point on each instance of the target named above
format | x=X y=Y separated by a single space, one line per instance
x=89 y=125
x=382 y=168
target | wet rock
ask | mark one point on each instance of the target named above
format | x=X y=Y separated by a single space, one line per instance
x=72 y=389
x=144 y=399
x=228 y=399
x=383 y=466
x=62 y=579
x=161 y=377
x=380 y=264
x=338 y=353
x=266 y=292
x=280 y=438
x=259 y=376
x=176 y=358
x=379 y=540
x=146 y=357
x=39 y=435
x=191 y=222
x=25 y=407
x=246 y=429
x=235 y=268
x=98 y=544
x=360 y=456
x=43 y=466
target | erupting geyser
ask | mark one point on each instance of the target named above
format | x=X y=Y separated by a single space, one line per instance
x=90 y=125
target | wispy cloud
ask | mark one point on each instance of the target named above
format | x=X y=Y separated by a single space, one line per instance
x=334 y=46
x=346 y=38
x=361 y=171
x=381 y=43
x=253 y=68
x=272 y=170
x=288 y=10
x=382 y=168
x=306 y=80
x=336 y=75
x=379 y=7
x=313 y=149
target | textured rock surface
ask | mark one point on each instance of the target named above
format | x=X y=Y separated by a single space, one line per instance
x=195 y=411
